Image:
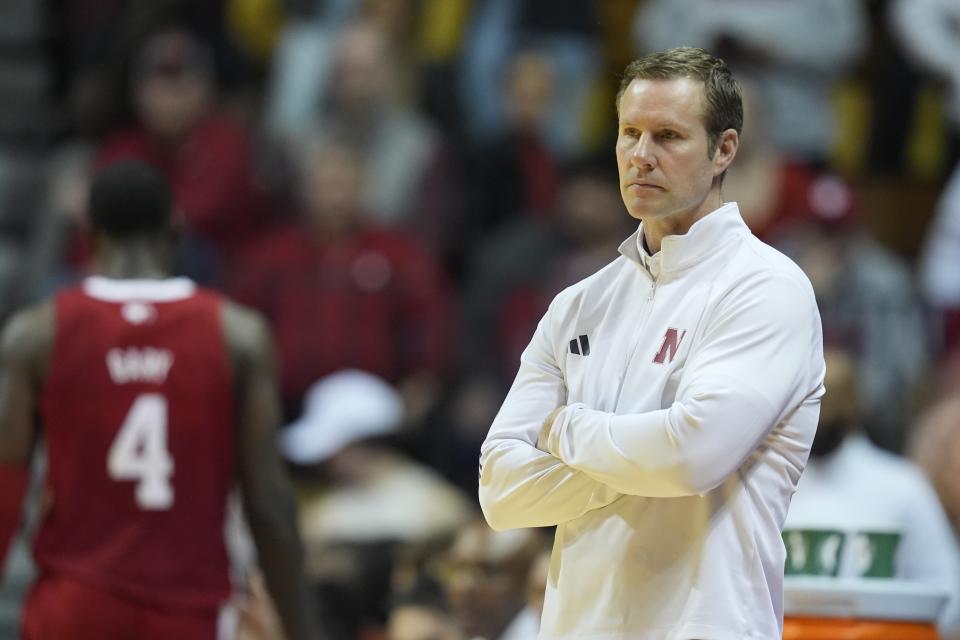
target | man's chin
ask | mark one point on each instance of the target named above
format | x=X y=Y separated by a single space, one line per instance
x=645 y=213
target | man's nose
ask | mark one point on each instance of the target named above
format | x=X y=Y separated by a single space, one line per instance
x=643 y=155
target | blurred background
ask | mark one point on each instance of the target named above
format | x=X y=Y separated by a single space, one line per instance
x=402 y=186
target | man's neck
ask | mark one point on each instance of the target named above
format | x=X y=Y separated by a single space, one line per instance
x=677 y=224
x=135 y=262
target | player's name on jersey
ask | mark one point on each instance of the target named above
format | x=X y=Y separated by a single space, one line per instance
x=139 y=364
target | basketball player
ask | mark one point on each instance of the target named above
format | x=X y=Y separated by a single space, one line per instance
x=153 y=396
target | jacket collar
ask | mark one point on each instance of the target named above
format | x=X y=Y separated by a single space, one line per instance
x=704 y=239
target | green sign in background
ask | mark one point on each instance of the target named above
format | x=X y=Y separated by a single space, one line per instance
x=820 y=552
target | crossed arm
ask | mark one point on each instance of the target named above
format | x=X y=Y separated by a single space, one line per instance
x=521 y=485
x=753 y=364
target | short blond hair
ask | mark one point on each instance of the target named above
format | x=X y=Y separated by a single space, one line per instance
x=723 y=103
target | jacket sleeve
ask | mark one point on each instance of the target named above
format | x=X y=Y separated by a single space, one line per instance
x=759 y=357
x=521 y=486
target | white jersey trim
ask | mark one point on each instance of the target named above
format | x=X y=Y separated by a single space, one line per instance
x=114 y=290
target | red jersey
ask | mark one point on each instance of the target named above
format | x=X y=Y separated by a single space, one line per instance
x=138 y=417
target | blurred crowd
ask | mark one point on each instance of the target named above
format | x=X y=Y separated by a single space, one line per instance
x=402 y=186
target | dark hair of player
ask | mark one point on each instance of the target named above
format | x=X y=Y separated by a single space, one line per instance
x=129 y=198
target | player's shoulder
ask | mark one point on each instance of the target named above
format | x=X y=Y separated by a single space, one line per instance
x=773 y=261
x=885 y=464
x=246 y=332
x=880 y=471
x=758 y=265
x=593 y=293
x=28 y=335
x=597 y=282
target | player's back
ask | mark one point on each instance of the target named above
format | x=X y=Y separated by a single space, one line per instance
x=137 y=409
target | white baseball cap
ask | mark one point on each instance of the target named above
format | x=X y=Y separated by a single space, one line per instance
x=340 y=409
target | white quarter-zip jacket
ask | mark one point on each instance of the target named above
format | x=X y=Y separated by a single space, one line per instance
x=692 y=383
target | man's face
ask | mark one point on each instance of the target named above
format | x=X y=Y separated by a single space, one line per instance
x=332 y=189
x=662 y=149
x=362 y=72
x=170 y=105
x=529 y=91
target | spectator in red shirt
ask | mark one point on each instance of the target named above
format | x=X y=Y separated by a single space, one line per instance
x=182 y=132
x=517 y=174
x=343 y=293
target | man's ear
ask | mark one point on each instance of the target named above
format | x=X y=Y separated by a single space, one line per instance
x=726 y=150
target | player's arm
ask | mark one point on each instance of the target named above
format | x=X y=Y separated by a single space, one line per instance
x=267 y=494
x=757 y=361
x=24 y=351
x=520 y=485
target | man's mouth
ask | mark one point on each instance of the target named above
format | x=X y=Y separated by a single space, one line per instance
x=646 y=186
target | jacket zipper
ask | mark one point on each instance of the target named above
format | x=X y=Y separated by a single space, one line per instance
x=640 y=327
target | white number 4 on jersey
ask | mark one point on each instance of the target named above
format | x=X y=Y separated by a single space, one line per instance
x=139 y=452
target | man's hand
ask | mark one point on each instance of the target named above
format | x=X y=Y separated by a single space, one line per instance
x=258 y=618
x=547 y=426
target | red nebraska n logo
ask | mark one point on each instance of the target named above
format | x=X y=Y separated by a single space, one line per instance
x=671 y=342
